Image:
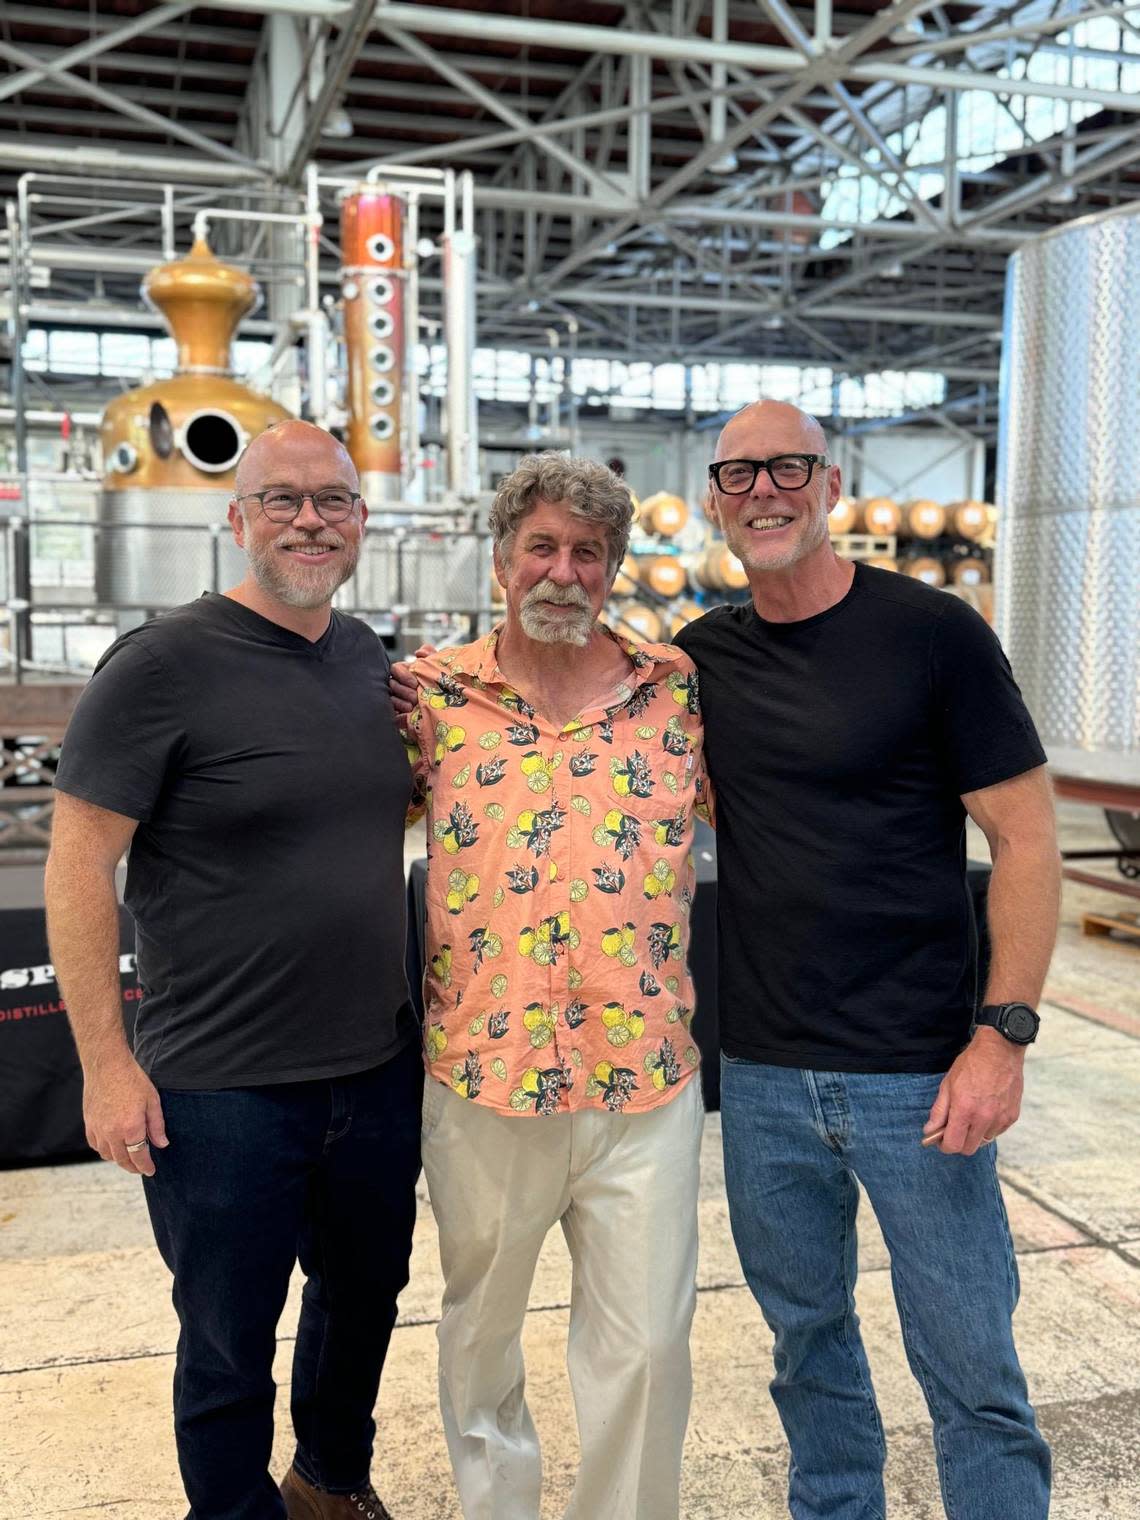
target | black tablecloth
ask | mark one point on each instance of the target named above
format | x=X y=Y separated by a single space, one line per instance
x=41 y=1086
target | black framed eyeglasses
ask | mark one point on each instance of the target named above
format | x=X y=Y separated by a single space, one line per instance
x=787 y=471
x=332 y=505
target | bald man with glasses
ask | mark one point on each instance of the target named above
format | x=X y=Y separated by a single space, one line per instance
x=853 y=719
x=242 y=749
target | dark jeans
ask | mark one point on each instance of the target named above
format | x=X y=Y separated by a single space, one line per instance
x=794 y=1143
x=253 y=1180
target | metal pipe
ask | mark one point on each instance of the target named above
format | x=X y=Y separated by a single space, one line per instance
x=21 y=155
x=92 y=314
x=117 y=211
x=459 y=312
x=16 y=337
x=169 y=246
x=410 y=412
x=208 y=214
x=467 y=201
x=397 y=171
x=316 y=332
x=52 y=419
x=321 y=10
x=718 y=105
x=822 y=24
x=448 y=202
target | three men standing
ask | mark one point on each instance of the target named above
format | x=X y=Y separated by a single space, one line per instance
x=243 y=747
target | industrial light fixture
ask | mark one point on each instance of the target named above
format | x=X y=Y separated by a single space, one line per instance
x=338 y=123
x=908 y=31
x=728 y=163
x=892 y=270
x=773 y=323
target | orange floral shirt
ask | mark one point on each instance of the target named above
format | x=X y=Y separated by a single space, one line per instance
x=559 y=885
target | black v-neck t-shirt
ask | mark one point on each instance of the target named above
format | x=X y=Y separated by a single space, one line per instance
x=265 y=877
x=839 y=748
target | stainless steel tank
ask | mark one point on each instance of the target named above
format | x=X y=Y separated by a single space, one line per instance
x=1068 y=544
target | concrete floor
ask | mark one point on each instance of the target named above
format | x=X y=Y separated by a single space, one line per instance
x=87 y=1333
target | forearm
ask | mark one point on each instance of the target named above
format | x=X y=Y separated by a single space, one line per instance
x=83 y=935
x=1022 y=911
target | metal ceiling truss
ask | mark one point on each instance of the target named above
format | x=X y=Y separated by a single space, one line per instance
x=656 y=171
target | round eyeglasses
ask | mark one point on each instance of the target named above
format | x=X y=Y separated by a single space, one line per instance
x=789 y=472
x=332 y=504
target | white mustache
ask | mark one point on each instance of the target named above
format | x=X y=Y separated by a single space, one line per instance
x=561 y=596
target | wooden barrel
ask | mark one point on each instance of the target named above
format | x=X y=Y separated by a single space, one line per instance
x=924 y=567
x=718 y=569
x=665 y=574
x=970 y=519
x=881 y=562
x=879 y=515
x=685 y=614
x=843 y=516
x=627 y=578
x=969 y=570
x=637 y=620
x=664 y=514
x=923 y=518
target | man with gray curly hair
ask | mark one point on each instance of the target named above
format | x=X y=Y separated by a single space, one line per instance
x=561 y=766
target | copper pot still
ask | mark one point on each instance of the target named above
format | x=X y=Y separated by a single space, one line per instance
x=170 y=449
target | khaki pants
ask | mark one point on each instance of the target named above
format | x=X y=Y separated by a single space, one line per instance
x=624 y=1189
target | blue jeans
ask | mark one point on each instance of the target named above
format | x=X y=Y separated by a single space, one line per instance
x=253 y=1180
x=794 y=1143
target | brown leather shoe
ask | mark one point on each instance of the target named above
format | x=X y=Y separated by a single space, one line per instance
x=304 y=1502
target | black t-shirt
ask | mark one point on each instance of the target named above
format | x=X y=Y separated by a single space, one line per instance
x=839 y=747
x=265 y=877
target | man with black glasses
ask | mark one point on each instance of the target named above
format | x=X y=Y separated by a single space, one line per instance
x=242 y=748
x=852 y=719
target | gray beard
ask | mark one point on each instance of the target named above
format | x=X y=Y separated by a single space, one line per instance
x=539 y=625
x=314 y=591
x=575 y=630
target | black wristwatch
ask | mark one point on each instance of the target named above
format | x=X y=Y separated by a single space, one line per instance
x=1016 y=1021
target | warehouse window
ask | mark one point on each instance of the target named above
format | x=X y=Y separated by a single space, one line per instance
x=124 y=353
x=989 y=128
x=890 y=392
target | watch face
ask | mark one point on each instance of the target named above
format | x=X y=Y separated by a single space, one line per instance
x=1020 y=1022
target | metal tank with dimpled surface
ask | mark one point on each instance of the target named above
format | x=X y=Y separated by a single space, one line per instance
x=1068 y=553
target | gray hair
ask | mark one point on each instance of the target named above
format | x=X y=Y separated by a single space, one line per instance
x=592 y=490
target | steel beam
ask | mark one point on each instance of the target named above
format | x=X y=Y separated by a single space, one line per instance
x=603 y=186
x=85 y=51
x=961 y=40
x=125 y=165
x=123 y=107
x=1113 y=153
x=351 y=38
x=580 y=37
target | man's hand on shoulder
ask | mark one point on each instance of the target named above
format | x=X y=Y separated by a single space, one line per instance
x=121 y=1107
x=980 y=1096
x=402 y=683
